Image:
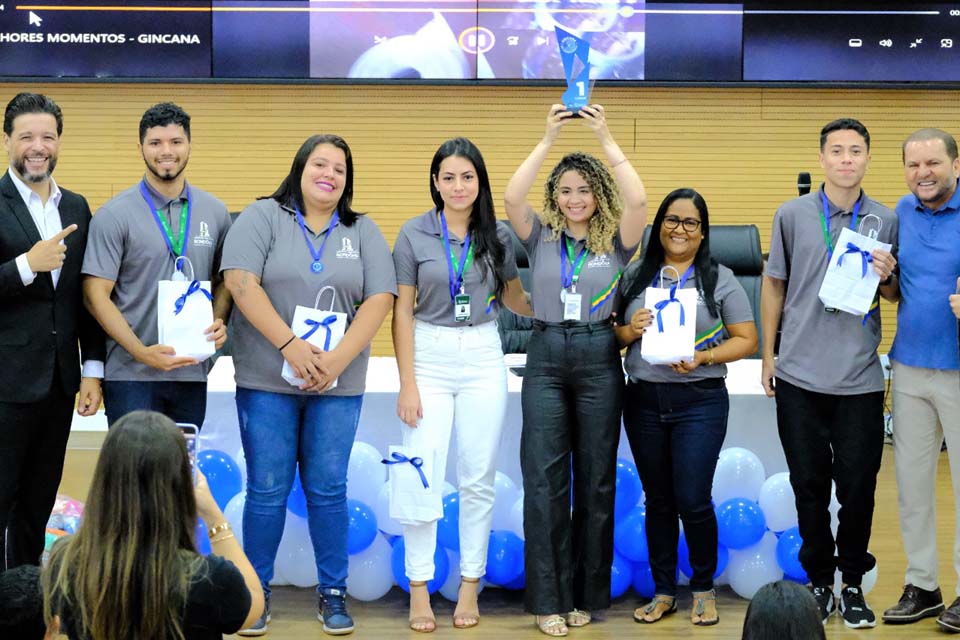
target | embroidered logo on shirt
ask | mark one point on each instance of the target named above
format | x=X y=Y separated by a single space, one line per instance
x=203 y=239
x=347 y=252
x=599 y=262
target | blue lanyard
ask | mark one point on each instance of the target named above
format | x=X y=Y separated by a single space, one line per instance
x=182 y=232
x=455 y=278
x=825 y=221
x=567 y=280
x=316 y=266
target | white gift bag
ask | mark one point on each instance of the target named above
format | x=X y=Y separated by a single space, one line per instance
x=320 y=328
x=184 y=312
x=416 y=487
x=850 y=283
x=672 y=335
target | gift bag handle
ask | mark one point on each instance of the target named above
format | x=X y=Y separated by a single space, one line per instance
x=333 y=300
x=177 y=267
x=664 y=268
x=873 y=234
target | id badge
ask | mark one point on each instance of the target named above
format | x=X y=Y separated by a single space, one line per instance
x=571 y=306
x=461 y=308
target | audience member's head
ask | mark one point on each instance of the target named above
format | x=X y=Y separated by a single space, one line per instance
x=783 y=610
x=125 y=573
x=21 y=604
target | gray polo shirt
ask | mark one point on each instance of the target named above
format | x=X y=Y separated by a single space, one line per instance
x=421 y=261
x=267 y=241
x=711 y=330
x=599 y=278
x=821 y=351
x=127 y=246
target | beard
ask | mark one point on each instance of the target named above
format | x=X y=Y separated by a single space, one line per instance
x=166 y=176
x=21 y=167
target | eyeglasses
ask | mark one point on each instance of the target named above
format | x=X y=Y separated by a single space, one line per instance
x=689 y=224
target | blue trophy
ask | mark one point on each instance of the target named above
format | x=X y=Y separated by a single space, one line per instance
x=575 y=55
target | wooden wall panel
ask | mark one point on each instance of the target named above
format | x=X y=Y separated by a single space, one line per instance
x=742 y=148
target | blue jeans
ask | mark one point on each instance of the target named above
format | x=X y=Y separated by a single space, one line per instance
x=280 y=431
x=675 y=432
x=179 y=401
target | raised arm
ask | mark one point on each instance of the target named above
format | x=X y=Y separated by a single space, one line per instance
x=634 y=194
x=519 y=211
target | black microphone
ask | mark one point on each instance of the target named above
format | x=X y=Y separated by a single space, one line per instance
x=803 y=183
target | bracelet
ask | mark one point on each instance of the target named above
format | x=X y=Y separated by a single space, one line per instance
x=284 y=345
x=220 y=528
x=617 y=164
x=222 y=538
x=710 y=353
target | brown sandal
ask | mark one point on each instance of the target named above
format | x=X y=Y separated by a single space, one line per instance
x=466 y=619
x=422 y=624
x=552 y=625
x=653 y=607
x=700 y=599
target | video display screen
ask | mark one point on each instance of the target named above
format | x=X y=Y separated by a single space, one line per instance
x=482 y=40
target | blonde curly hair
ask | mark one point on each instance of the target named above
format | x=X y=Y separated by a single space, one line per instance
x=605 y=221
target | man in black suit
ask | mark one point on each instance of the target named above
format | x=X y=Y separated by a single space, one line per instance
x=43 y=234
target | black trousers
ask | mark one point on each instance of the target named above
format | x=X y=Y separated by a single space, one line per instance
x=840 y=438
x=33 y=442
x=572 y=394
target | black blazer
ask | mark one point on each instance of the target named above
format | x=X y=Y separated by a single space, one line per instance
x=39 y=325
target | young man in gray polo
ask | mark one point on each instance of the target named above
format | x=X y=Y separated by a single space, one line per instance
x=829 y=382
x=135 y=240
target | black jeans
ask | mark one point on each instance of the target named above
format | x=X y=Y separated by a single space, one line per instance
x=675 y=432
x=572 y=391
x=179 y=401
x=33 y=442
x=834 y=437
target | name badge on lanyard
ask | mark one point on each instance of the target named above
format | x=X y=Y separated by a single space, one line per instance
x=455 y=270
x=174 y=245
x=825 y=227
x=572 y=301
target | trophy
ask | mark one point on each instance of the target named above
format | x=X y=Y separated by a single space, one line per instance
x=575 y=55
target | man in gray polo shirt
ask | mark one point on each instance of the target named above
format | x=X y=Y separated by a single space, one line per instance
x=135 y=239
x=829 y=383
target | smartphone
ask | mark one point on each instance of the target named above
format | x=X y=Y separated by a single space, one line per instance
x=189 y=432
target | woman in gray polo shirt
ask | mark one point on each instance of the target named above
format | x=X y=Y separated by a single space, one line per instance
x=280 y=252
x=454 y=266
x=676 y=415
x=590 y=227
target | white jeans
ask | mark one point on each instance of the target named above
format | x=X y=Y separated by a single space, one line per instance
x=462 y=382
x=926 y=409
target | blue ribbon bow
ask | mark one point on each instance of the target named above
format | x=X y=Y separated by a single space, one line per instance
x=192 y=289
x=865 y=257
x=660 y=306
x=315 y=324
x=416 y=461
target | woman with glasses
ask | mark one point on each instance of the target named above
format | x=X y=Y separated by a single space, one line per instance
x=676 y=415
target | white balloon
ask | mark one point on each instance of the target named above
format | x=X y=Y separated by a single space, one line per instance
x=867 y=585
x=516 y=517
x=369 y=576
x=751 y=568
x=739 y=474
x=448 y=488
x=506 y=496
x=295 y=558
x=365 y=473
x=381 y=509
x=778 y=503
x=241 y=459
x=834 y=510
x=450 y=589
x=234 y=514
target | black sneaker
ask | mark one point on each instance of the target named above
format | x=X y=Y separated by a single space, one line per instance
x=333 y=613
x=259 y=627
x=854 y=610
x=825 y=602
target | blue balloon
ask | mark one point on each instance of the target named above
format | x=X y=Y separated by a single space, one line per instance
x=788 y=554
x=628 y=490
x=520 y=582
x=361 y=526
x=740 y=523
x=441 y=567
x=297 y=500
x=683 y=558
x=504 y=557
x=621 y=575
x=203 y=538
x=222 y=473
x=643 y=579
x=630 y=535
x=448 y=527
